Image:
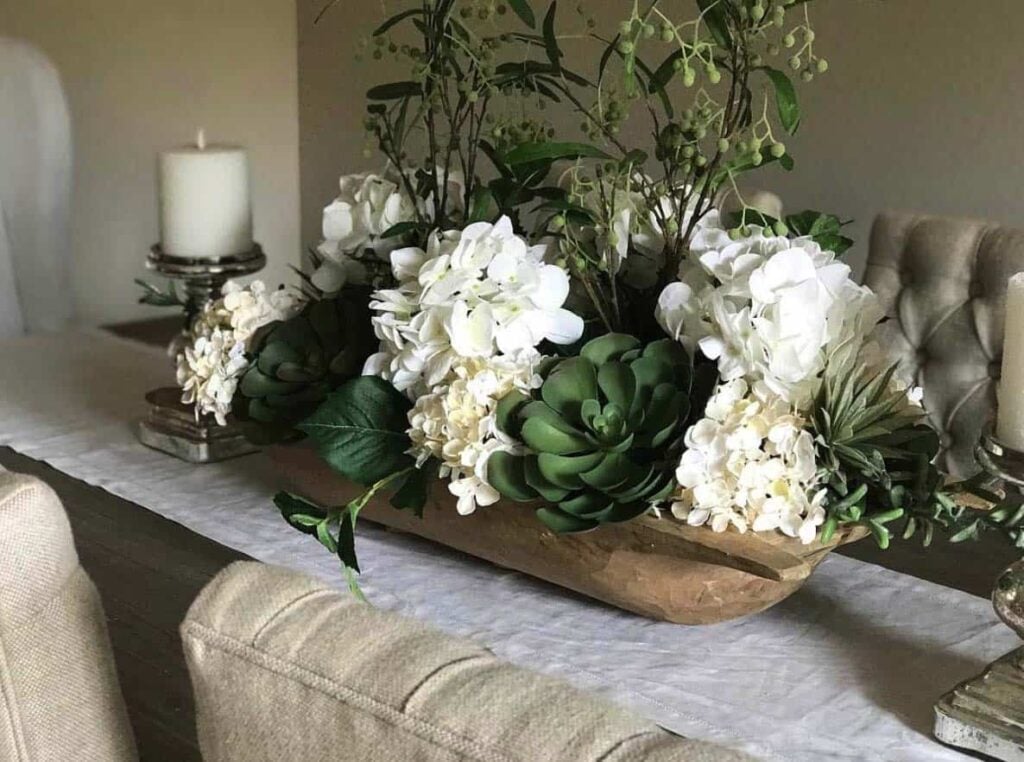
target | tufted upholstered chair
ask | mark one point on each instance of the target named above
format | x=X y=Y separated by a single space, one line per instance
x=943 y=285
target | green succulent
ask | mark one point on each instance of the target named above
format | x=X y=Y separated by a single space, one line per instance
x=296 y=363
x=603 y=433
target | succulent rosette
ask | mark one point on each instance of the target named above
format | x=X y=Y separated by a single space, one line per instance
x=601 y=432
x=296 y=363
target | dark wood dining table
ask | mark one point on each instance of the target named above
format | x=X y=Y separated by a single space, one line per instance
x=149 y=570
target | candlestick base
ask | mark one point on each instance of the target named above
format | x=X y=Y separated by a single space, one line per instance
x=986 y=714
x=171 y=428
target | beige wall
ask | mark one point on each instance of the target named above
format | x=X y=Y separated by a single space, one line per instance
x=922 y=109
x=141 y=75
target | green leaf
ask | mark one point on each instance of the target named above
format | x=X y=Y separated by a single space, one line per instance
x=664 y=73
x=299 y=512
x=482 y=205
x=347 y=541
x=360 y=430
x=524 y=12
x=396 y=19
x=785 y=99
x=412 y=495
x=716 y=20
x=526 y=153
x=395 y=90
x=550 y=40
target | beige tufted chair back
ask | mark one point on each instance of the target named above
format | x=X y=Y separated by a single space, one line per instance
x=943 y=285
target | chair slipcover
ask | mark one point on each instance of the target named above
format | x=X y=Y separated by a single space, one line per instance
x=943 y=285
x=35 y=189
x=286 y=668
x=59 y=695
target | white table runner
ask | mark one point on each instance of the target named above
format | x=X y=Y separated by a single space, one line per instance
x=848 y=668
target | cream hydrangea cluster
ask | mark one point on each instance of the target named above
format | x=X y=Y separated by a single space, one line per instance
x=456 y=423
x=214 y=357
x=458 y=333
x=750 y=465
x=767 y=308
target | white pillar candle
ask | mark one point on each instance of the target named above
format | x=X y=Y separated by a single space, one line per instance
x=1010 y=418
x=205 y=202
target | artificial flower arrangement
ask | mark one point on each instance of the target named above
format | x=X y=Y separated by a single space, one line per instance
x=584 y=327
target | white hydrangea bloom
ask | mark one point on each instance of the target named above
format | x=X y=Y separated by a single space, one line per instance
x=456 y=423
x=750 y=464
x=474 y=293
x=213 y=358
x=767 y=308
x=367 y=206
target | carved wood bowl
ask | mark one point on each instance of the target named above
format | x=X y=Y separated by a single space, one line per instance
x=654 y=567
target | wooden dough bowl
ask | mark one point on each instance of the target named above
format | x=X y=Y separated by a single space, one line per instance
x=655 y=567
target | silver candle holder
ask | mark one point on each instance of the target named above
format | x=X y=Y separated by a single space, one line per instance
x=172 y=426
x=986 y=713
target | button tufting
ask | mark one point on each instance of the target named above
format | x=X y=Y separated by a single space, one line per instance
x=945 y=441
x=976 y=290
x=921 y=358
x=995 y=370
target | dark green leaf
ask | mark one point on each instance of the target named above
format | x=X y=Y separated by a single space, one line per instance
x=716 y=20
x=526 y=153
x=299 y=512
x=360 y=430
x=786 y=100
x=524 y=11
x=395 y=90
x=550 y=40
x=412 y=495
x=347 y=541
x=396 y=19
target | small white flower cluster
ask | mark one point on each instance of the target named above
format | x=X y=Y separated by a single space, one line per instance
x=750 y=464
x=367 y=206
x=214 y=357
x=767 y=308
x=456 y=424
x=459 y=332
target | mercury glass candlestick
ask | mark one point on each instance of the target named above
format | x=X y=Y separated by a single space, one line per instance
x=986 y=714
x=171 y=426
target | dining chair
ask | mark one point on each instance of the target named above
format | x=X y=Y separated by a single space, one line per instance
x=285 y=667
x=943 y=284
x=59 y=693
x=35 y=193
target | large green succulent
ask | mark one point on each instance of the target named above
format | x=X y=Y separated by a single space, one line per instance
x=296 y=363
x=603 y=434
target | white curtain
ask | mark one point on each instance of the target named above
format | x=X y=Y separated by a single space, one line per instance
x=10 y=305
x=35 y=192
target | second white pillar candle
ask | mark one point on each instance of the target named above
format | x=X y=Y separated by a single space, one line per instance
x=1010 y=417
